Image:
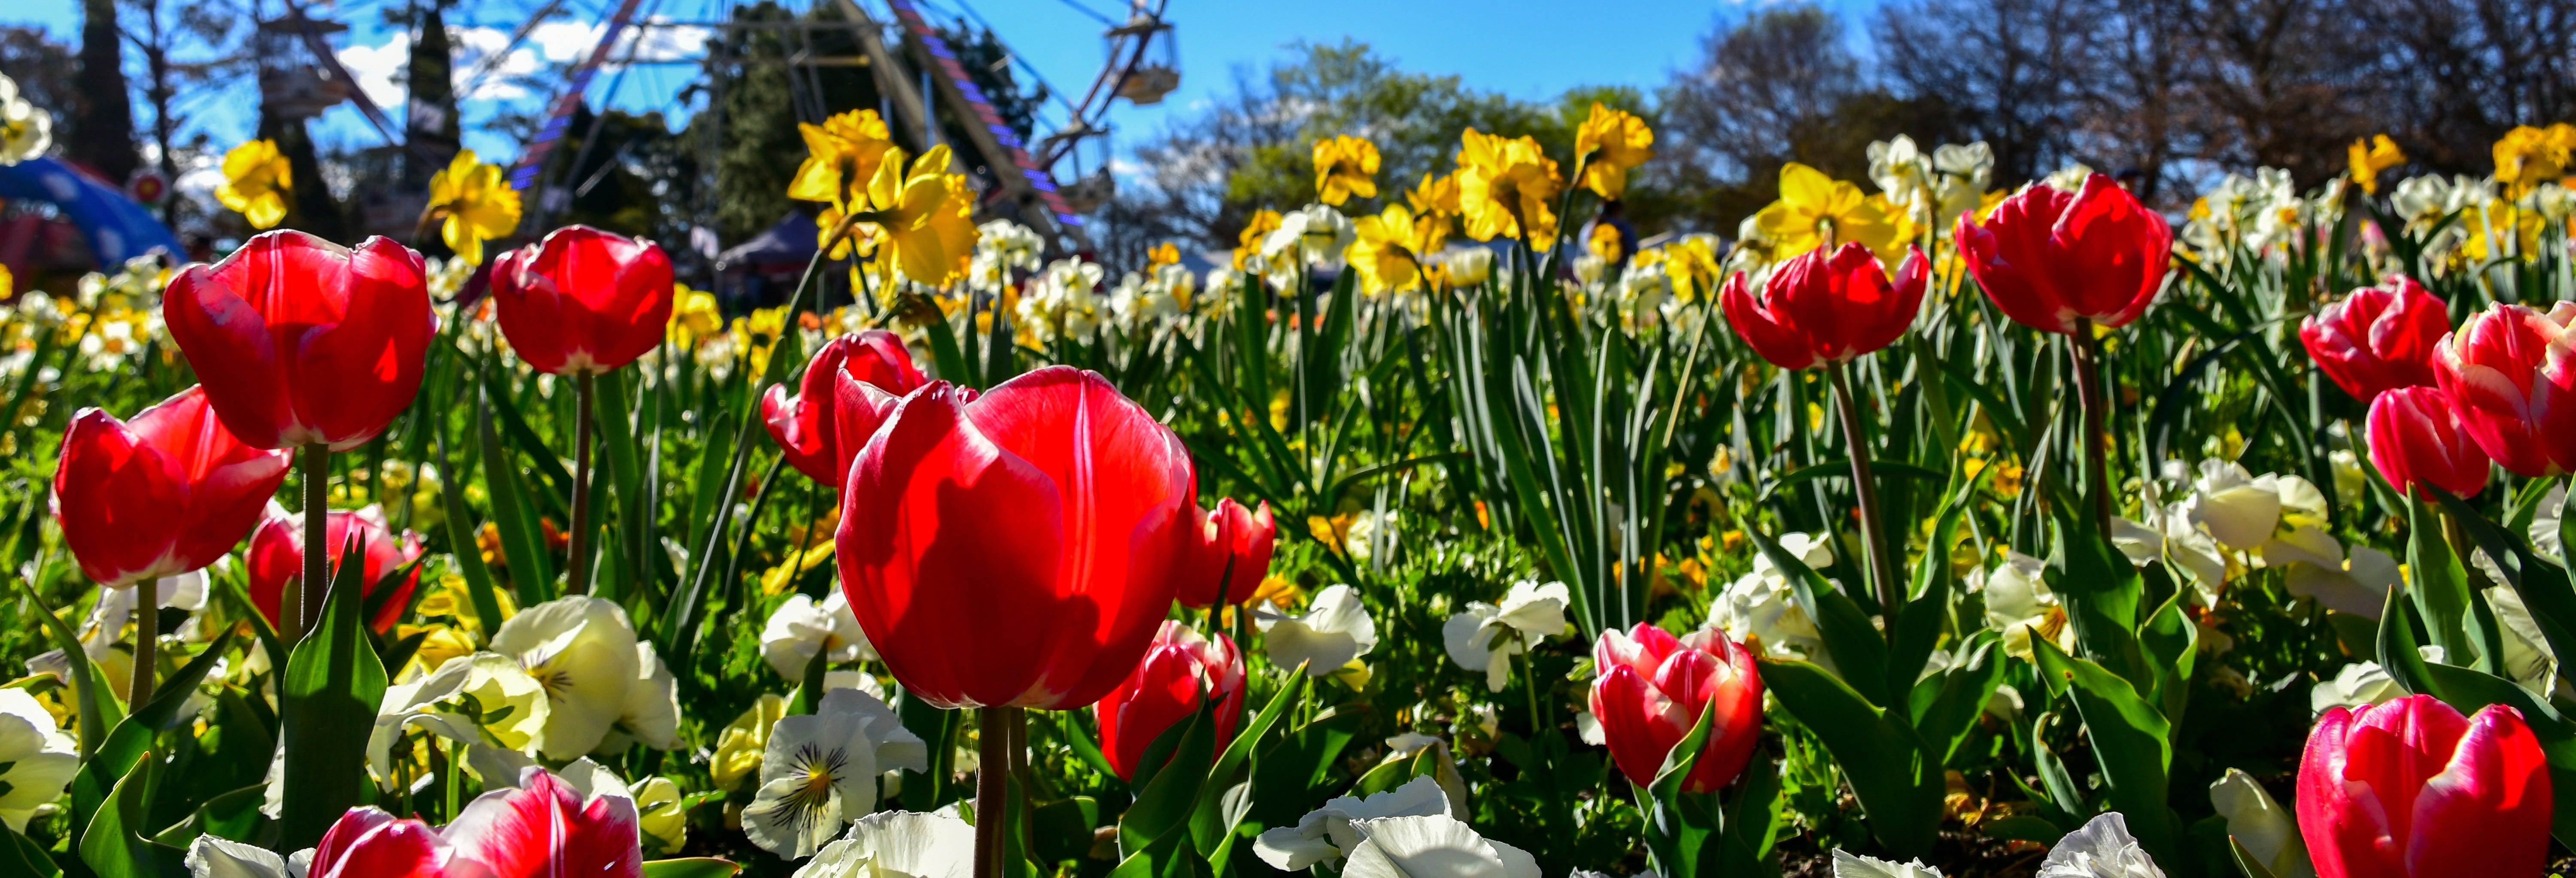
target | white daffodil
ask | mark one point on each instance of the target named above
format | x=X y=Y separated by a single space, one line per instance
x=1432 y=846
x=36 y=758
x=898 y=844
x=1851 y=865
x=598 y=677
x=2020 y=604
x=1486 y=636
x=2358 y=684
x=1335 y=631
x=2318 y=568
x=1469 y=266
x=820 y=771
x=1326 y=833
x=2102 y=849
x=802 y=628
x=2267 y=830
x=464 y=700
x=1316 y=233
x=212 y=857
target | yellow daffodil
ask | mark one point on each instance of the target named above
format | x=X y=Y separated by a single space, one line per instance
x=476 y=204
x=694 y=316
x=1436 y=195
x=2371 y=155
x=1162 y=254
x=742 y=744
x=927 y=217
x=257 y=182
x=1389 y=248
x=2500 y=229
x=1255 y=230
x=8 y=283
x=1603 y=243
x=1607 y=145
x=842 y=156
x=1815 y=210
x=1505 y=187
x=2528 y=156
x=1344 y=166
x=1692 y=265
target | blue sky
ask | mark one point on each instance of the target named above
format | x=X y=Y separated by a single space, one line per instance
x=1522 y=48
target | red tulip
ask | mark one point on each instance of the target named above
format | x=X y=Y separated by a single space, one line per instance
x=1181 y=671
x=2512 y=376
x=2379 y=338
x=369 y=843
x=546 y=828
x=163 y=494
x=1018 y=549
x=1651 y=689
x=2416 y=439
x=1818 y=308
x=582 y=301
x=300 y=340
x=1230 y=556
x=2410 y=789
x=2047 y=258
x=807 y=425
x=277 y=557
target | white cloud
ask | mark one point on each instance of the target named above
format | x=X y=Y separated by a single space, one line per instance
x=474 y=46
x=376 y=66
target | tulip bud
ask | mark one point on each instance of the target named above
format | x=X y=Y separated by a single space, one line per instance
x=582 y=301
x=2048 y=257
x=299 y=340
x=1820 y=308
x=1652 y=688
x=276 y=558
x=2379 y=338
x=1230 y=556
x=1043 y=522
x=807 y=425
x=2414 y=790
x=1181 y=672
x=160 y=495
x=2416 y=439
x=2506 y=369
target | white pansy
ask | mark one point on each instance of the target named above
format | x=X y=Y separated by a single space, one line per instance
x=2241 y=509
x=898 y=844
x=585 y=653
x=212 y=857
x=2102 y=849
x=1486 y=636
x=1326 y=833
x=1335 y=631
x=2545 y=536
x=1851 y=865
x=2019 y=603
x=36 y=758
x=1316 y=234
x=802 y=628
x=821 y=770
x=2357 y=685
x=2169 y=535
x=2268 y=831
x=1432 y=846
x=2527 y=657
x=511 y=706
x=2318 y=567
x=2070 y=178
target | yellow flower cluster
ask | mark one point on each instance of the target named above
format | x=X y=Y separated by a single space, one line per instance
x=913 y=216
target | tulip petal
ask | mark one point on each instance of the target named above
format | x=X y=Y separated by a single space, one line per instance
x=544 y=829
x=2488 y=812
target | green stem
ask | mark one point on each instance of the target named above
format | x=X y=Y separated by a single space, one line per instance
x=305 y=611
x=1882 y=570
x=147 y=642
x=2088 y=391
x=992 y=773
x=577 y=581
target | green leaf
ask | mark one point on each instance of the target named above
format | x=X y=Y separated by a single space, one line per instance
x=1678 y=824
x=2245 y=859
x=2102 y=592
x=1208 y=826
x=2132 y=741
x=20 y=855
x=97 y=709
x=332 y=687
x=2440 y=583
x=133 y=738
x=1898 y=782
x=1062 y=829
x=1946 y=706
x=1162 y=808
x=1855 y=643
x=523 y=542
x=2543 y=586
x=113 y=845
x=691 y=867
x=626 y=472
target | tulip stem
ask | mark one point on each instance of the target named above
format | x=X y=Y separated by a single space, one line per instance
x=577 y=581
x=1882 y=571
x=992 y=778
x=2088 y=391
x=311 y=589
x=147 y=641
